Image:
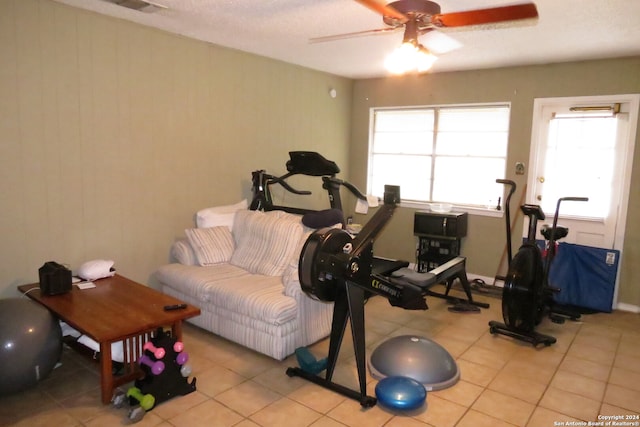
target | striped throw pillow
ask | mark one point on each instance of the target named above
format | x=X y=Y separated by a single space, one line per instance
x=211 y=245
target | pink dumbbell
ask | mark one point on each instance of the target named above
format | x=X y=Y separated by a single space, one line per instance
x=156 y=366
x=178 y=346
x=157 y=352
x=182 y=358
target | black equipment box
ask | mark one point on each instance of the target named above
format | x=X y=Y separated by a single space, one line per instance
x=438 y=247
x=55 y=278
x=453 y=224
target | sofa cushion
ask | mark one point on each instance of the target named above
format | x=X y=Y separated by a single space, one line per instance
x=265 y=241
x=211 y=245
x=232 y=289
x=219 y=215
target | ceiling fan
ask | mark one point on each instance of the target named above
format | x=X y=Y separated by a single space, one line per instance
x=420 y=17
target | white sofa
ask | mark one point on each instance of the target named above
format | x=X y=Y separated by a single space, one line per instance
x=244 y=277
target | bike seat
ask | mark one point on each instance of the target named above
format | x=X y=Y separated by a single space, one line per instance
x=535 y=210
x=559 y=233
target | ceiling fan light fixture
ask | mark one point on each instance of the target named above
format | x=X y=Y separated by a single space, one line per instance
x=409 y=57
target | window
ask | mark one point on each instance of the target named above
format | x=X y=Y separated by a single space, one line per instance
x=440 y=154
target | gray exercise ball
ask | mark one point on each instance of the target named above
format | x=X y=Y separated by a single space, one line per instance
x=415 y=357
x=30 y=344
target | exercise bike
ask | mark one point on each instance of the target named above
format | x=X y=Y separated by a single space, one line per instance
x=527 y=296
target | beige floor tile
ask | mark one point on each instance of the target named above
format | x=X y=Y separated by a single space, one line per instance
x=398 y=421
x=246 y=423
x=543 y=417
x=317 y=398
x=208 y=413
x=217 y=379
x=247 y=398
x=45 y=418
x=285 y=412
x=571 y=404
x=277 y=380
x=518 y=387
x=350 y=413
x=112 y=418
x=625 y=378
x=454 y=346
x=585 y=368
x=250 y=364
x=478 y=419
x=475 y=373
x=485 y=357
x=541 y=357
x=84 y=406
x=463 y=393
x=179 y=404
x=490 y=366
x=441 y=412
x=623 y=397
x=611 y=410
x=529 y=371
x=327 y=422
x=629 y=362
x=20 y=406
x=460 y=333
x=503 y=407
x=594 y=354
x=577 y=384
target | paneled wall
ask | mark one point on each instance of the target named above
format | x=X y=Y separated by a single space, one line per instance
x=114 y=134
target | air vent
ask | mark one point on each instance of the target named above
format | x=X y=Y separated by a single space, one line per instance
x=140 y=5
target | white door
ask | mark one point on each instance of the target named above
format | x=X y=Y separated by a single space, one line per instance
x=583 y=147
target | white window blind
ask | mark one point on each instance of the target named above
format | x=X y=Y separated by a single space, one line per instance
x=440 y=154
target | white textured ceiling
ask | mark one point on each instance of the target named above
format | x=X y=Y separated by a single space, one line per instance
x=567 y=30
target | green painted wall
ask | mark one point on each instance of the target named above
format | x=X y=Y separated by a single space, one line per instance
x=520 y=86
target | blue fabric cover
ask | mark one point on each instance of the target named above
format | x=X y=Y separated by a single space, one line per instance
x=585 y=275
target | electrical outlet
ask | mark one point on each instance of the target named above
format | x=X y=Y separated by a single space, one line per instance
x=519 y=168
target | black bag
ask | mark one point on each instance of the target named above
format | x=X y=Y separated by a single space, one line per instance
x=55 y=278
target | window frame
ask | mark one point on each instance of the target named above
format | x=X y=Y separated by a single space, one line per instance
x=473 y=209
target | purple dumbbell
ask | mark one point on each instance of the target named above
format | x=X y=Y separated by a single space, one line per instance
x=156 y=366
x=182 y=358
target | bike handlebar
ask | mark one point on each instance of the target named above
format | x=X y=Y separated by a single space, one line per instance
x=281 y=180
x=354 y=190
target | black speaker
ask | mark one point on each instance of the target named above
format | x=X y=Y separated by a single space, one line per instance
x=55 y=278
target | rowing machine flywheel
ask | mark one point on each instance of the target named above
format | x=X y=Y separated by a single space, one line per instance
x=318 y=267
x=523 y=291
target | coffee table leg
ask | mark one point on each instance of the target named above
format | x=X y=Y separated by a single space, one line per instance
x=106 y=372
x=176 y=330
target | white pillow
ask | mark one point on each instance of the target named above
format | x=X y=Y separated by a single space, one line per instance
x=182 y=252
x=219 y=215
x=211 y=245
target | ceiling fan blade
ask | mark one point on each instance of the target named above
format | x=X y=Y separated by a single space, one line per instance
x=350 y=35
x=486 y=16
x=383 y=9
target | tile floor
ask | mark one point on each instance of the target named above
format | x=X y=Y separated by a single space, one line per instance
x=593 y=370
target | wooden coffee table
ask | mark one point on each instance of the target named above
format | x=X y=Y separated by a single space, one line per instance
x=117 y=309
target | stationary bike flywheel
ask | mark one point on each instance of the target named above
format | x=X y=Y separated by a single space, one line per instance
x=522 y=295
x=318 y=268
